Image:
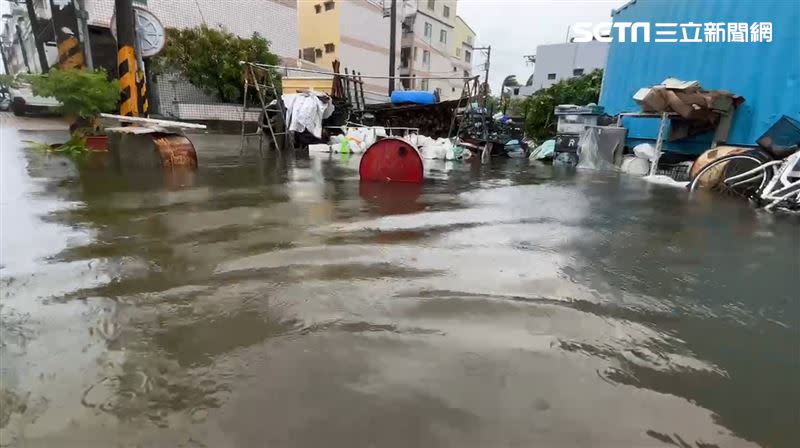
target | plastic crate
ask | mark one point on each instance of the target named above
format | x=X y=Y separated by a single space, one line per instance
x=678 y=172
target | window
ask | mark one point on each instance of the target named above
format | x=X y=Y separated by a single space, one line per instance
x=577 y=72
x=458 y=52
x=467 y=56
x=405 y=55
x=328 y=5
x=426 y=57
x=318 y=8
x=308 y=54
x=455 y=69
x=431 y=4
x=452 y=89
x=443 y=36
x=446 y=11
x=551 y=76
x=428 y=30
x=318 y=52
x=415 y=53
x=330 y=48
x=466 y=74
x=424 y=84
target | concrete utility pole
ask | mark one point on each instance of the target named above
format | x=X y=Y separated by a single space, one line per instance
x=22 y=48
x=488 y=51
x=37 y=35
x=392 y=45
x=65 y=23
x=126 y=58
x=83 y=23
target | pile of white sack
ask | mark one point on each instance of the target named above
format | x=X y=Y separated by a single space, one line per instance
x=356 y=140
x=439 y=149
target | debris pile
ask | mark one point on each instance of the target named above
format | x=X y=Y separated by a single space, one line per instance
x=357 y=139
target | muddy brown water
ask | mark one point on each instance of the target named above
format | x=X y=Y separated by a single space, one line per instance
x=278 y=302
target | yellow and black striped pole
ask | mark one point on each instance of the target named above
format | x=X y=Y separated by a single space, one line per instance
x=65 y=23
x=126 y=60
x=141 y=83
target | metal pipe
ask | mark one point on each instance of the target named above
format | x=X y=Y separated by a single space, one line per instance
x=392 y=45
x=321 y=72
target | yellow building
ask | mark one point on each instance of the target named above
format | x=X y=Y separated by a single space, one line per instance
x=353 y=31
x=463 y=41
x=319 y=31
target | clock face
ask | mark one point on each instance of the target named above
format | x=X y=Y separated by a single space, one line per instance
x=149 y=32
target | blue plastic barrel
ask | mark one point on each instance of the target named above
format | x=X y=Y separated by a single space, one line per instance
x=413 y=96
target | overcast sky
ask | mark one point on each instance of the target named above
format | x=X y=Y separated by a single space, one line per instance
x=515 y=27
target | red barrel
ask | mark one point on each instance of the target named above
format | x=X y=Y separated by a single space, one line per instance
x=391 y=160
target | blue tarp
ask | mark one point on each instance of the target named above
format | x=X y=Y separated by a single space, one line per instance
x=413 y=96
x=766 y=74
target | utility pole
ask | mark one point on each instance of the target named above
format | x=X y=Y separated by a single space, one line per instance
x=22 y=47
x=126 y=58
x=65 y=23
x=488 y=51
x=392 y=45
x=37 y=35
x=83 y=23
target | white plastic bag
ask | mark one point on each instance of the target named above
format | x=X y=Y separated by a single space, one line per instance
x=646 y=151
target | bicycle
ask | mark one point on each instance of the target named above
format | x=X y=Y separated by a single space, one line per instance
x=769 y=177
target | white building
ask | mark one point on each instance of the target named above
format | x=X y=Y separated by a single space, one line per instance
x=555 y=62
x=18 y=43
x=275 y=20
x=354 y=32
x=173 y=96
x=428 y=49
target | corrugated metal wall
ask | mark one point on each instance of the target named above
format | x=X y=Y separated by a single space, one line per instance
x=766 y=74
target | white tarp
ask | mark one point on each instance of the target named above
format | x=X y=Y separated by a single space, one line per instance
x=305 y=111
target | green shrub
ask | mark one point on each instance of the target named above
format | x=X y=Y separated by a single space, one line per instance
x=209 y=59
x=82 y=93
x=540 y=122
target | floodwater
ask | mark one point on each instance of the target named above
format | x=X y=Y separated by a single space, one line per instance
x=277 y=302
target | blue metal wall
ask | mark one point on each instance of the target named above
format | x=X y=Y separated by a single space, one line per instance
x=767 y=75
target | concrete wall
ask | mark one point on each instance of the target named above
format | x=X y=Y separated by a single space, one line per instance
x=276 y=20
x=563 y=59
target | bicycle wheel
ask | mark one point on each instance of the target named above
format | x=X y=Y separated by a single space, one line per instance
x=735 y=175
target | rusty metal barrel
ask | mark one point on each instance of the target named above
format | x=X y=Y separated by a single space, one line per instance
x=391 y=160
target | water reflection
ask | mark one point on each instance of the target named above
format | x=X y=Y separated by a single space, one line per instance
x=499 y=304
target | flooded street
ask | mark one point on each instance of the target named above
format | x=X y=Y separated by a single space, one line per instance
x=279 y=302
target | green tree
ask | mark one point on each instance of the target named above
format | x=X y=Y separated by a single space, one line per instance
x=209 y=58
x=82 y=93
x=540 y=122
